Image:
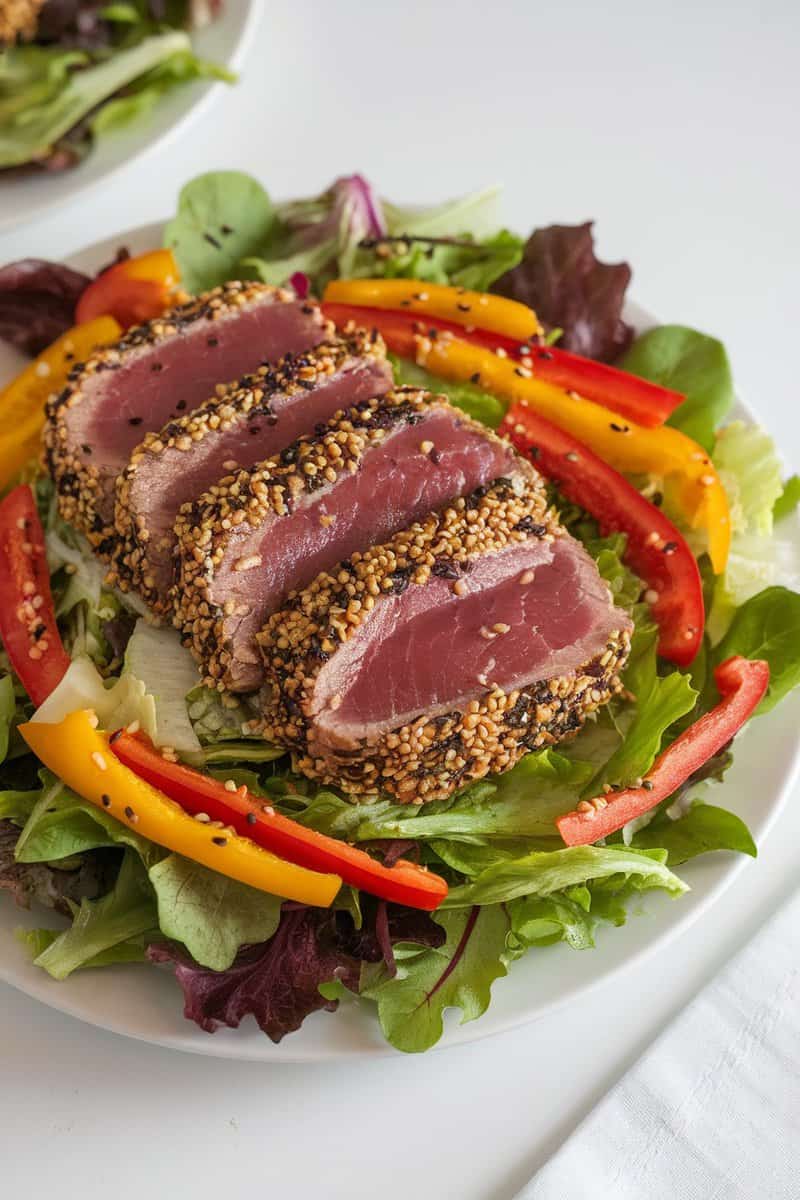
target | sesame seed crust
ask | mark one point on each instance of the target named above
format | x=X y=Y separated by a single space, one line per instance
x=243 y=501
x=79 y=483
x=234 y=404
x=426 y=759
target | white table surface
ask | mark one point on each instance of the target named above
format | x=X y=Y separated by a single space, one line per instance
x=675 y=127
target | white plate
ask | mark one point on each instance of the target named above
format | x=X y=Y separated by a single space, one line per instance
x=224 y=41
x=146 y=1003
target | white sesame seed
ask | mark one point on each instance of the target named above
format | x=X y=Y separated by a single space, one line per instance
x=134 y=727
x=501 y=627
x=526 y=577
x=42 y=369
x=93 y=720
x=230 y=785
x=651 y=596
x=99 y=761
x=248 y=562
x=203 y=817
x=425 y=447
x=707 y=480
x=459 y=587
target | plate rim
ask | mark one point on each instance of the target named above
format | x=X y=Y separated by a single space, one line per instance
x=57 y=997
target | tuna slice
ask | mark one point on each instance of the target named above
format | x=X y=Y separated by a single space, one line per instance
x=262 y=533
x=458 y=667
x=270 y=409
x=156 y=372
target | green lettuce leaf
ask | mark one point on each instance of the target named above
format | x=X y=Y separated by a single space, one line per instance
x=8 y=712
x=142 y=96
x=223 y=217
x=459 y=974
x=545 y=920
x=470 y=399
x=212 y=915
x=461 y=262
x=541 y=873
x=54 y=97
x=788 y=500
x=661 y=700
x=702 y=829
x=99 y=926
x=60 y=824
x=157 y=658
x=768 y=627
x=691 y=363
x=750 y=470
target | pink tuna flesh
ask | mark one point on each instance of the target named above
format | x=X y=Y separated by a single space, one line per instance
x=159 y=382
x=165 y=481
x=429 y=651
x=395 y=485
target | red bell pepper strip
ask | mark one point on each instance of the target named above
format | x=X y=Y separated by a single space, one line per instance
x=742 y=683
x=637 y=399
x=404 y=883
x=27 y=616
x=132 y=291
x=655 y=549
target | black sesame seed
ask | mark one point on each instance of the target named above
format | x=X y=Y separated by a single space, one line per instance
x=464 y=307
x=86 y=448
x=115 y=736
x=226 y=229
x=212 y=241
x=252 y=819
x=129 y=813
x=156 y=367
x=476 y=378
x=220 y=841
x=546 y=355
x=105 y=799
x=212 y=341
x=620 y=428
x=135 y=421
x=669 y=547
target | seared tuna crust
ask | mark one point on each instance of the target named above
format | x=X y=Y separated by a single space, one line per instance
x=263 y=532
x=348 y=737
x=154 y=373
x=243 y=425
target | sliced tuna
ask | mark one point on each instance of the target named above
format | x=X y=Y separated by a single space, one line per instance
x=489 y=633
x=262 y=533
x=155 y=373
x=269 y=410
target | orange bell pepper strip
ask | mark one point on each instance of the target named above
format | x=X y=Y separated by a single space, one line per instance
x=79 y=754
x=635 y=398
x=132 y=291
x=629 y=448
x=22 y=401
x=495 y=314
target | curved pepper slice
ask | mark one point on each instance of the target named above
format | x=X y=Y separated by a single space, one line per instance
x=624 y=445
x=22 y=401
x=404 y=883
x=27 y=617
x=494 y=313
x=655 y=550
x=647 y=403
x=742 y=683
x=80 y=755
x=133 y=290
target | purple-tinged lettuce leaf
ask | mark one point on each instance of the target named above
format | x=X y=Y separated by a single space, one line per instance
x=561 y=278
x=278 y=982
x=37 y=302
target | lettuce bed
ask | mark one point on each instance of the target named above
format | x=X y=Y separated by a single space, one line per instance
x=513 y=885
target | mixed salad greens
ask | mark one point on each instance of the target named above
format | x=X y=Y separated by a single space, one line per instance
x=512 y=884
x=71 y=70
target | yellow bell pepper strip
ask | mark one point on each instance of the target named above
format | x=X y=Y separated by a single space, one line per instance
x=627 y=447
x=133 y=290
x=80 y=755
x=22 y=401
x=493 y=313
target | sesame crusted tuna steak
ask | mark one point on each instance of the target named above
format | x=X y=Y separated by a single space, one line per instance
x=474 y=636
x=154 y=373
x=246 y=425
x=262 y=533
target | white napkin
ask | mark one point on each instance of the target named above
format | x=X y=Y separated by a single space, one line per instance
x=712 y=1110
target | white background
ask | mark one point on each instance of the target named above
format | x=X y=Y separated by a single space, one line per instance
x=675 y=127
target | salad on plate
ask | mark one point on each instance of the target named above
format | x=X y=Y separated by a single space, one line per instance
x=378 y=605
x=72 y=70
